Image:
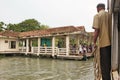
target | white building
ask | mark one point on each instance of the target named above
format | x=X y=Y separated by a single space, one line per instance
x=23 y=42
x=8 y=41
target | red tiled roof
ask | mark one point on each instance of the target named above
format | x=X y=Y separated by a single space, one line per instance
x=81 y=28
x=9 y=33
x=50 y=31
x=57 y=30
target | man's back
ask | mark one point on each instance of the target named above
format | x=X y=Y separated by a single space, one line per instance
x=104 y=26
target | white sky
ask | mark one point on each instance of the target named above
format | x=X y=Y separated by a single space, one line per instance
x=54 y=13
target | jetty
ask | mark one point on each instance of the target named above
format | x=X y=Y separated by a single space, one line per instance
x=54 y=42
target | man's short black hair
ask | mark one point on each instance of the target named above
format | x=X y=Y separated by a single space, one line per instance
x=101 y=5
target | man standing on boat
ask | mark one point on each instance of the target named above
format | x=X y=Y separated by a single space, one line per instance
x=102 y=33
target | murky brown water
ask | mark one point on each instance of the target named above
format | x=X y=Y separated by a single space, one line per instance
x=22 y=68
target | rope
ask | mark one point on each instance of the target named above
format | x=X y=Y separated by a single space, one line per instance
x=97 y=70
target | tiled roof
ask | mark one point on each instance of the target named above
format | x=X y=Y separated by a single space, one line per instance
x=50 y=31
x=57 y=30
x=9 y=33
x=82 y=28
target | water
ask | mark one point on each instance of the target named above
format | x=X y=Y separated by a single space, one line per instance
x=24 y=68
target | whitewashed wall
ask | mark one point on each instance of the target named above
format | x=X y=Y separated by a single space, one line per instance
x=6 y=46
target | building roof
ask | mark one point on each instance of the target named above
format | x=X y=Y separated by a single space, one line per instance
x=50 y=31
x=81 y=28
x=9 y=33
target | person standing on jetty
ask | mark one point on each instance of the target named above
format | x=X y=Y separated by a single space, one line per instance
x=102 y=32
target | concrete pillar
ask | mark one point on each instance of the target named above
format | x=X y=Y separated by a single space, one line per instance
x=27 y=46
x=78 y=42
x=30 y=46
x=39 y=42
x=53 y=46
x=23 y=43
x=119 y=51
x=23 y=46
x=67 y=45
x=119 y=43
x=114 y=55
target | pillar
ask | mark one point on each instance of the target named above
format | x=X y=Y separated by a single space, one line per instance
x=39 y=40
x=23 y=45
x=30 y=46
x=53 y=46
x=67 y=45
x=27 y=46
x=114 y=55
x=119 y=42
x=78 y=40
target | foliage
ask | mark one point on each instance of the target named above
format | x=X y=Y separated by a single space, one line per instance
x=26 y=25
x=29 y=25
x=73 y=41
x=13 y=27
x=1 y=26
x=35 y=42
x=44 y=26
x=60 y=42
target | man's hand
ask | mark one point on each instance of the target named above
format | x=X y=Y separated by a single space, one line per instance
x=95 y=46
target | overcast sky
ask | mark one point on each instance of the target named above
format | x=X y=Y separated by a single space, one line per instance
x=54 y=13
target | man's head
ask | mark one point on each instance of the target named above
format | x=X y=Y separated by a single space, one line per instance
x=100 y=6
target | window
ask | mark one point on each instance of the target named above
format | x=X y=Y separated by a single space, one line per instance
x=13 y=44
x=6 y=41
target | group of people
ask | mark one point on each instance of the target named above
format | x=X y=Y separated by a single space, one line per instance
x=85 y=48
x=82 y=48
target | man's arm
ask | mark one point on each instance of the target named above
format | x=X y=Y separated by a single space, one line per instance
x=96 y=28
x=96 y=33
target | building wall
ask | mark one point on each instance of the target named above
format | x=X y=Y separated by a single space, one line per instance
x=119 y=41
x=5 y=44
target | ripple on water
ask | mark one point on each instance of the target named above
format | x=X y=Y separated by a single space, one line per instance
x=19 y=68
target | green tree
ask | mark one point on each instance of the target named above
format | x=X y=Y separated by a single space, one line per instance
x=44 y=26
x=1 y=26
x=26 y=25
x=13 y=27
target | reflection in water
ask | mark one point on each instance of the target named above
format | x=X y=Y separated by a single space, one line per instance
x=19 y=68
